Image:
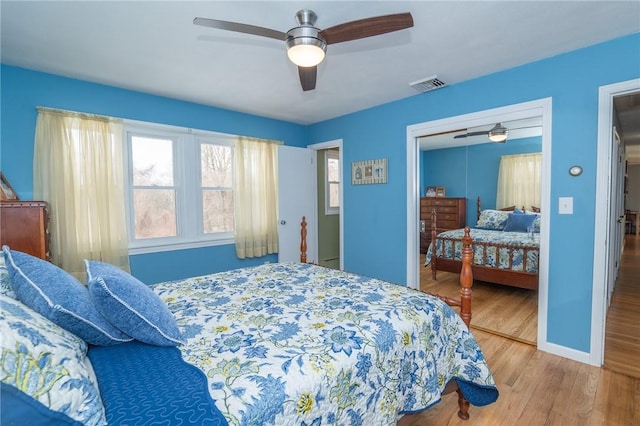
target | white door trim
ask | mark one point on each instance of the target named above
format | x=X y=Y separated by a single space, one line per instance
x=601 y=230
x=337 y=143
x=540 y=107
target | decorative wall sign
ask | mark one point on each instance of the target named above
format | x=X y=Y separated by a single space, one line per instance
x=369 y=171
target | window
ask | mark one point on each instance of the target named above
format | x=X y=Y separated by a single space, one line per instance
x=180 y=191
x=332 y=182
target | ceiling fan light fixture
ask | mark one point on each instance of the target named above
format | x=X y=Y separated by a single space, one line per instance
x=305 y=55
x=305 y=46
x=498 y=133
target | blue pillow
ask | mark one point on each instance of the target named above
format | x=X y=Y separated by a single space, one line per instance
x=131 y=306
x=519 y=222
x=59 y=297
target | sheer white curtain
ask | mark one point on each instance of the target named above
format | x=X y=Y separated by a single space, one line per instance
x=519 y=181
x=78 y=170
x=255 y=189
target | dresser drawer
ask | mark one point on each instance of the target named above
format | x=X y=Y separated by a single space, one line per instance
x=451 y=213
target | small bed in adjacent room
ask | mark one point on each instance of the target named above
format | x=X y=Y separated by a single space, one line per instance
x=506 y=247
x=276 y=344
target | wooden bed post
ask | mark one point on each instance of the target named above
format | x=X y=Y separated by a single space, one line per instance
x=466 y=277
x=303 y=240
x=434 y=233
x=466 y=281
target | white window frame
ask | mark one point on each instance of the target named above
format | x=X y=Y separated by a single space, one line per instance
x=187 y=181
x=332 y=154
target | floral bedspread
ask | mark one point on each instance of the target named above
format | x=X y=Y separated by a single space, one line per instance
x=299 y=344
x=494 y=258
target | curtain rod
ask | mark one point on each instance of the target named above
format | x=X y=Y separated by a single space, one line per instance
x=78 y=114
x=146 y=123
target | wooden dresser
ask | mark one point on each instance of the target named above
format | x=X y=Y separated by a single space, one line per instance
x=451 y=213
x=24 y=227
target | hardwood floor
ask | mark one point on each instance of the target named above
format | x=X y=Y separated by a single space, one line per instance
x=538 y=388
x=622 y=334
x=506 y=311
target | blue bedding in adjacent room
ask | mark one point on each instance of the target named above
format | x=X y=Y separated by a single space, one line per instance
x=449 y=246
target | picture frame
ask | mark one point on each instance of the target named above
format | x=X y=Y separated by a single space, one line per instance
x=369 y=172
x=6 y=191
x=440 y=191
x=430 y=191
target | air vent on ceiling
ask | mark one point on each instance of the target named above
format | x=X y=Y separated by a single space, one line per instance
x=428 y=84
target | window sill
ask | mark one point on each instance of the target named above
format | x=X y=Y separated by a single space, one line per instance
x=179 y=246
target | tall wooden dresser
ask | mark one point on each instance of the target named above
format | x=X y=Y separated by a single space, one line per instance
x=451 y=213
x=24 y=227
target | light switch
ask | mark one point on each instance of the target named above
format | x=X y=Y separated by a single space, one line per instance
x=565 y=205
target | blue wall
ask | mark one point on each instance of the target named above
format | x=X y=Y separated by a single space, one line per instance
x=375 y=225
x=375 y=215
x=472 y=171
x=24 y=90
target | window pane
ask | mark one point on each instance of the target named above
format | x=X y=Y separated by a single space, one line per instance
x=155 y=213
x=334 y=195
x=217 y=211
x=216 y=166
x=333 y=173
x=152 y=161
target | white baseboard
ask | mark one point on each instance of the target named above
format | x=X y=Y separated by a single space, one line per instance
x=563 y=351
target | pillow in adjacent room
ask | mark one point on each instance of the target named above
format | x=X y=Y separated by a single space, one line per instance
x=492 y=219
x=519 y=222
x=46 y=375
x=131 y=305
x=58 y=296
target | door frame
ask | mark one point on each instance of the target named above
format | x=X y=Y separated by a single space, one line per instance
x=601 y=252
x=337 y=143
x=540 y=107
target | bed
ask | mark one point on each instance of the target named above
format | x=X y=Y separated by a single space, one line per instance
x=506 y=247
x=276 y=344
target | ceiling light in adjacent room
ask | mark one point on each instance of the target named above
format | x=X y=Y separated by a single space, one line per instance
x=498 y=133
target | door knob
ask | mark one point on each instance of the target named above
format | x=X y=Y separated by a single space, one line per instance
x=283 y=222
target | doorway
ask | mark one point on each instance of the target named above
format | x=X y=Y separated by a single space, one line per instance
x=327 y=226
x=605 y=224
x=540 y=108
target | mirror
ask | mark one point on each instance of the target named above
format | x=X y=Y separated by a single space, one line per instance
x=467 y=167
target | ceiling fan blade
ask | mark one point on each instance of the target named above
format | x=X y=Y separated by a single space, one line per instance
x=525 y=127
x=240 y=28
x=484 y=132
x=308 y=77
x=367 y=27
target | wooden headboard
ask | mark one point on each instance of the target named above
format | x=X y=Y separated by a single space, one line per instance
x=506 y=209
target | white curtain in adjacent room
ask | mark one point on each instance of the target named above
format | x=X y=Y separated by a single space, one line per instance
x=519 y=181
x=255 y=190
x=78 y=170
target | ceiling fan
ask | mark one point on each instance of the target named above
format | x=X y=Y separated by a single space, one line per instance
x=497 y=133
x=306 y=44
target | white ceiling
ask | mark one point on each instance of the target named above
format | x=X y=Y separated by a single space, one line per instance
x=154 y=47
